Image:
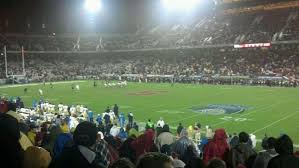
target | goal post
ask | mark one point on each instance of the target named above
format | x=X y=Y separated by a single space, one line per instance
x=14 y=75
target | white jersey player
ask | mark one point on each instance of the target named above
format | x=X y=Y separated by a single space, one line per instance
x=77 y=87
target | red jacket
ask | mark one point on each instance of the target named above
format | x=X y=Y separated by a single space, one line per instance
x=3 y=106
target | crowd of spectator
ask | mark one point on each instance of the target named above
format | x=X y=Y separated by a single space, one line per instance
x=263 y=26
x=207 y=63
x=44 y=137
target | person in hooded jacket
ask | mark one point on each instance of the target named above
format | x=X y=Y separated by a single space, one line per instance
x=180 y=146
x=241 y=153
x=217 y=147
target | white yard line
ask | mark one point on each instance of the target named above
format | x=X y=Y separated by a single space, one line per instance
x=275 y=122
x=34 y=84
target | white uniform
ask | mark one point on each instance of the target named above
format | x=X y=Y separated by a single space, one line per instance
x=73 y=110
x=77 y=87
x=60 y=108
x=65 y=109
x=40 y=92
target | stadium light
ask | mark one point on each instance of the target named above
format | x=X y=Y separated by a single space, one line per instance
x=180 y=4
x=93 y=6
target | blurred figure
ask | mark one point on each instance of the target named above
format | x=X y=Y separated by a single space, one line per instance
x=131 y=119
x=154 y=160
x=165 y=138
x=267 y=154
x=286 y=158
x=216 y=163
x=241 y=153
x=82 y=154
x=144 y=143
x=180 y=146
x=11 y=153
x=122 y=163
x=160 y=123
x=36 y=157
x=179 y=129
x=217 y=147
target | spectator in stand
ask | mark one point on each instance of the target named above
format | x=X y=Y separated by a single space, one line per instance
x=36 y=157
x=217 y=147
x=177 y=163
x=63 y=139
x=154 y=160
x=165 y=138
x=144 y=143
x=216 y=163
x=286 y=158
x=11 y=153
x=126 y=149
x=122 y=163
x=114 y=131
x=82 y=154
x=264 y=156
x=192 y=159
x=123 y=135
x=234 y=140
x=242 y=153
x=102 y=151
x=180 y=146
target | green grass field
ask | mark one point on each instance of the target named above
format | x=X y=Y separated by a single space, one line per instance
x=270 y=110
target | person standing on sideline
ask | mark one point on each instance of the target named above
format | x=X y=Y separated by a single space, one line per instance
x=131 y=118
x=179 y=129
x=122 y=120
x=90 y=116
x=99 y=119
x=115 y=110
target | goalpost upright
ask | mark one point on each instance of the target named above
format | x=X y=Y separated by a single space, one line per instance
x=6 y=63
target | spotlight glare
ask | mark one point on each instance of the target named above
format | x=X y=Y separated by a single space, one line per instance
x=180 y=4
x=93 y=6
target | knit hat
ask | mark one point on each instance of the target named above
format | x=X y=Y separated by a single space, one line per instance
x=85 y=134
x=9 y=126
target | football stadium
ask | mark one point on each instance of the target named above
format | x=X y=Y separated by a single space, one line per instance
x=149 y=83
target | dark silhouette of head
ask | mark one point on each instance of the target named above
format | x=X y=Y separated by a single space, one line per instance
x=243 y=137
x=284 y=145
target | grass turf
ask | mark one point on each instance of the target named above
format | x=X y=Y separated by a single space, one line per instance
x=271 y=110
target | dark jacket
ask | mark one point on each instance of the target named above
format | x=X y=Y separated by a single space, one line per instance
x=284 y=161
x=240 y=154
x=72 y=157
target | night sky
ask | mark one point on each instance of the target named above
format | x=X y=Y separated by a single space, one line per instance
x=67 y=16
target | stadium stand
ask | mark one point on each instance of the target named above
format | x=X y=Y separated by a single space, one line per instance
x=56 y=136
x=70 y=136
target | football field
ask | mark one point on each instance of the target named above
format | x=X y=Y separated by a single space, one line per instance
x=257 y=110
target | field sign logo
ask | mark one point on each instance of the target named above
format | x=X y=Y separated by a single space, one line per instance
x=217 y=109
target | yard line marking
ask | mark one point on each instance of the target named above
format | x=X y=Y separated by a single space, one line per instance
x=273 y=123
